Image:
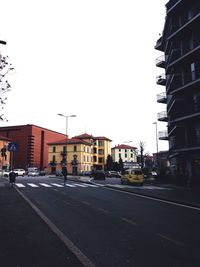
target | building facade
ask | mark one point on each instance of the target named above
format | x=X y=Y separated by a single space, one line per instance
x=180 y=60
x=79 y=154
x=125 y=152
x=32 y=144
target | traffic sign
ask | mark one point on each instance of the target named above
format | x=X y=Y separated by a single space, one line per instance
x=13 y=146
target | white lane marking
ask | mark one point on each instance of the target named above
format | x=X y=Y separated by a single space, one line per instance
x=81 y=185
x=57 y=185
x=68 y=243
x=140 y=187
x=92 y=185
x=70 y=185
x=128 y=221
x=32 y=185
x=103 y=210
x=171 y=240
x=19 y=185
x=85 y=202
x=45 y=185
x=100 y=184
x=154 y=199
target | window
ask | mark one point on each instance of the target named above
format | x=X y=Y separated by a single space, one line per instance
x=100 y=152
x=193 y=71
x=125 y=150
x=64 y=149
x=54 y=149
x=131 y=155
x=75 y=148
x=125 y=155
x=84 y=149
x=119 y=150
x=100 y=160
x=101 y=143
x=54 y=158
x=84 y=158
x=119 y=155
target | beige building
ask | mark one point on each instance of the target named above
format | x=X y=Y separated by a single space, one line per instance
x=125 y=152
x=79 y=153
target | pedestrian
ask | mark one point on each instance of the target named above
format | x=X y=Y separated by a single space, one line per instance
x=64 y=172
x=12 y=176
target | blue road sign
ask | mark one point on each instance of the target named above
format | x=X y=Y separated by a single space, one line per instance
x=12 y=146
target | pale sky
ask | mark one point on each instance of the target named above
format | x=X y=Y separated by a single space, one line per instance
x=94 y=59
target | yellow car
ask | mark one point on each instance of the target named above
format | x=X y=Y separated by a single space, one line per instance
x=133 y=176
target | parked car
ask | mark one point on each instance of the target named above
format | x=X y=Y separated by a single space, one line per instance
x=5 y=173
x=34 y=173
x=20 y=172
x=42 y=173
x=87 y=173
x=153 y=174
x=133 y=176
x=99 y=175
x=59 y=173
x=113 y=174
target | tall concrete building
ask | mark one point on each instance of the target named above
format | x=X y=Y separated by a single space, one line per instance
x=180 y=60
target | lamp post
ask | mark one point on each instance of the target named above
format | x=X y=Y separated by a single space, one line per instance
x=66 y=117
x=2 y=42
x=155 y=123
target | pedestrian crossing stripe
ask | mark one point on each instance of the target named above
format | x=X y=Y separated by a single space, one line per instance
x=20 y=185
x=58 y=185
x=45 y=185
x=33 y=185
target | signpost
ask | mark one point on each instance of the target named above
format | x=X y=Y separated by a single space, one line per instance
x=12 y=147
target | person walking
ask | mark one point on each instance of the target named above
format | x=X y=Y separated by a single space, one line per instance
x=12 y=177
x=64 y=172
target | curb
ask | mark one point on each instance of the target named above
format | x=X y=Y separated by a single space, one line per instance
x=178 y=202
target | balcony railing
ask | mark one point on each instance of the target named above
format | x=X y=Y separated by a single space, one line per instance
x=163 y=135
x=160 y=61
x=191 y=14
x=161 y=98
x=161 y=79
x=158 y=45
x=171 y=3
x=162 y=116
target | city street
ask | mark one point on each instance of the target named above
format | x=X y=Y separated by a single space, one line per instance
x=109 y=227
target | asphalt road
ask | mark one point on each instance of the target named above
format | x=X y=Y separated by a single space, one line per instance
x=116 y=228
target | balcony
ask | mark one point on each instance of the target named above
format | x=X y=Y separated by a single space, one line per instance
x=159 y=45
x=162 y=98
x=173 y=82
x=161 y=79
x=174 y=102
x=160 y=61
x=171 y=4
x=162 y=116
x=163 y=135
x=185 y=22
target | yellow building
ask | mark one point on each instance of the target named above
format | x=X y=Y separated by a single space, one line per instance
x=79 y=153
x=5 y=154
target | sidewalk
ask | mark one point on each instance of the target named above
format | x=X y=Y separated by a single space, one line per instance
x=25 y=239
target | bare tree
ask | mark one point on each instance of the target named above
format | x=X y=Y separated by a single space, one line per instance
x=142 y=146
x=5 y=68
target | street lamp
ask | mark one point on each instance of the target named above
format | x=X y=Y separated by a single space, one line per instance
x=66 y=117
x=157 y=143
x=2 y=42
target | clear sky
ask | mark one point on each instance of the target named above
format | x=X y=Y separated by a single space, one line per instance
x=92 y=58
